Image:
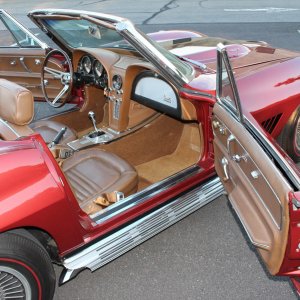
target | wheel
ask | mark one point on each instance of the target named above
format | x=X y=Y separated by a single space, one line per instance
x=26 y=271
x=290 y=136
x=55 y=73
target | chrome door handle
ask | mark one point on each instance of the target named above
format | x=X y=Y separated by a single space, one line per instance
x=224 y=163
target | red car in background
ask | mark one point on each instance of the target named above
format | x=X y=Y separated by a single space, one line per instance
x=132 y=133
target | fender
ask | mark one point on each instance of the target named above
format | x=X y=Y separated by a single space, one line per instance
x=33 y=194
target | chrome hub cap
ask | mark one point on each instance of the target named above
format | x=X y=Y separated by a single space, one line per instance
x=13 y=284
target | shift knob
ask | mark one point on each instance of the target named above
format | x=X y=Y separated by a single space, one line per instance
x=91 y=115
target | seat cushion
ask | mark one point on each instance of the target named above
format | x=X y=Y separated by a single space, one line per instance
x=93 y=172
x=49 y=129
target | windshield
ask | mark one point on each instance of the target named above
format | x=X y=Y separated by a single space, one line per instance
x=83 y=33
x=77 y=33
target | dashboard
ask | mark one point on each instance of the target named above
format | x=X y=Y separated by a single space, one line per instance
x=125 y=77
x=92 y=71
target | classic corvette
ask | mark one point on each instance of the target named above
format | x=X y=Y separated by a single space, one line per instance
x=108 y=136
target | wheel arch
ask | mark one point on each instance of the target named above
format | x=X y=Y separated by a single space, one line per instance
x=40 y=236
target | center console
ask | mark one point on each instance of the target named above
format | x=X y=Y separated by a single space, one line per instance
x=92 y=138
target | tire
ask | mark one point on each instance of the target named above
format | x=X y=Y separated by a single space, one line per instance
x=26 y=268
x=290 y=136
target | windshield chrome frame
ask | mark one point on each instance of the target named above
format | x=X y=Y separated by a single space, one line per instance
x=127 y=29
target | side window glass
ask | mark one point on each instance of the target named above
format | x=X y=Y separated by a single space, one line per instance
x=6 y=38
x=15 y=36
x=226 y=91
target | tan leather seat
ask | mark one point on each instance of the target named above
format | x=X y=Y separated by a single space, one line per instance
x=93 y=172
x=16 y=114
x=90 y=172
x=49 y=129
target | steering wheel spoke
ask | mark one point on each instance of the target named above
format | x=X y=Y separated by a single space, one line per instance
x=61 y=93
x=65 y=78
x=56 y=73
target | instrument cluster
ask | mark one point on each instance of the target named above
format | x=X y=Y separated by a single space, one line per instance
x=93 y=71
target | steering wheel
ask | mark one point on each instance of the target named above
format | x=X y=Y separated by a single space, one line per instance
x=64 y=76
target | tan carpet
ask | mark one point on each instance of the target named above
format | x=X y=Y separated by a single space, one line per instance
x=186 y=154
x=156 y=139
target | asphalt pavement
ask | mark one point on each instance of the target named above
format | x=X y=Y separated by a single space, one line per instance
x=206 y=255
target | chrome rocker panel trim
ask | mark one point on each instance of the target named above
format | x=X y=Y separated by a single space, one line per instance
x=145 y=194
x=111 y=247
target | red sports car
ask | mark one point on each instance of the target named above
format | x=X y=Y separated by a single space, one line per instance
x=109 y=136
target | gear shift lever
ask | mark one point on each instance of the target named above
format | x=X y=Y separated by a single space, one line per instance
x=97 y=132
x=91 y=115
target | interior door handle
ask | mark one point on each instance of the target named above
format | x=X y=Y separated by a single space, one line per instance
x=24 y=65
x=224 y=163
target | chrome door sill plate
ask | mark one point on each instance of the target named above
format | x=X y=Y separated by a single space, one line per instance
x=123 y=240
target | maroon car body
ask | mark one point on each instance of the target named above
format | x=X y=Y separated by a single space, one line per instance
x=36 y=196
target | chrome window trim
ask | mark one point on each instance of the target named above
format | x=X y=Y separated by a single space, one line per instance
x=127 y=29
x=24 y=29
x=144 y=195
x=76 y=13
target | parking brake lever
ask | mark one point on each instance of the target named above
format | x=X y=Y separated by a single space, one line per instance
x=59 y=136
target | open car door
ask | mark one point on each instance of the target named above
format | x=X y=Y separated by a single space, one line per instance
x=257 y=190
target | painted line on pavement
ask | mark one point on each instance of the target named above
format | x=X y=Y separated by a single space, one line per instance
x=266 y=9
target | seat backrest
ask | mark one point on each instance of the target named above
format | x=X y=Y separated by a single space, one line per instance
x=16 y=110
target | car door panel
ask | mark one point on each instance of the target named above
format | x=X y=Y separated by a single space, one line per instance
x=23 y=66
x=21 y=58
x=256 y=189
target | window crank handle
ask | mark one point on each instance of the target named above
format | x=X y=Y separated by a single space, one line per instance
x=224 y=162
